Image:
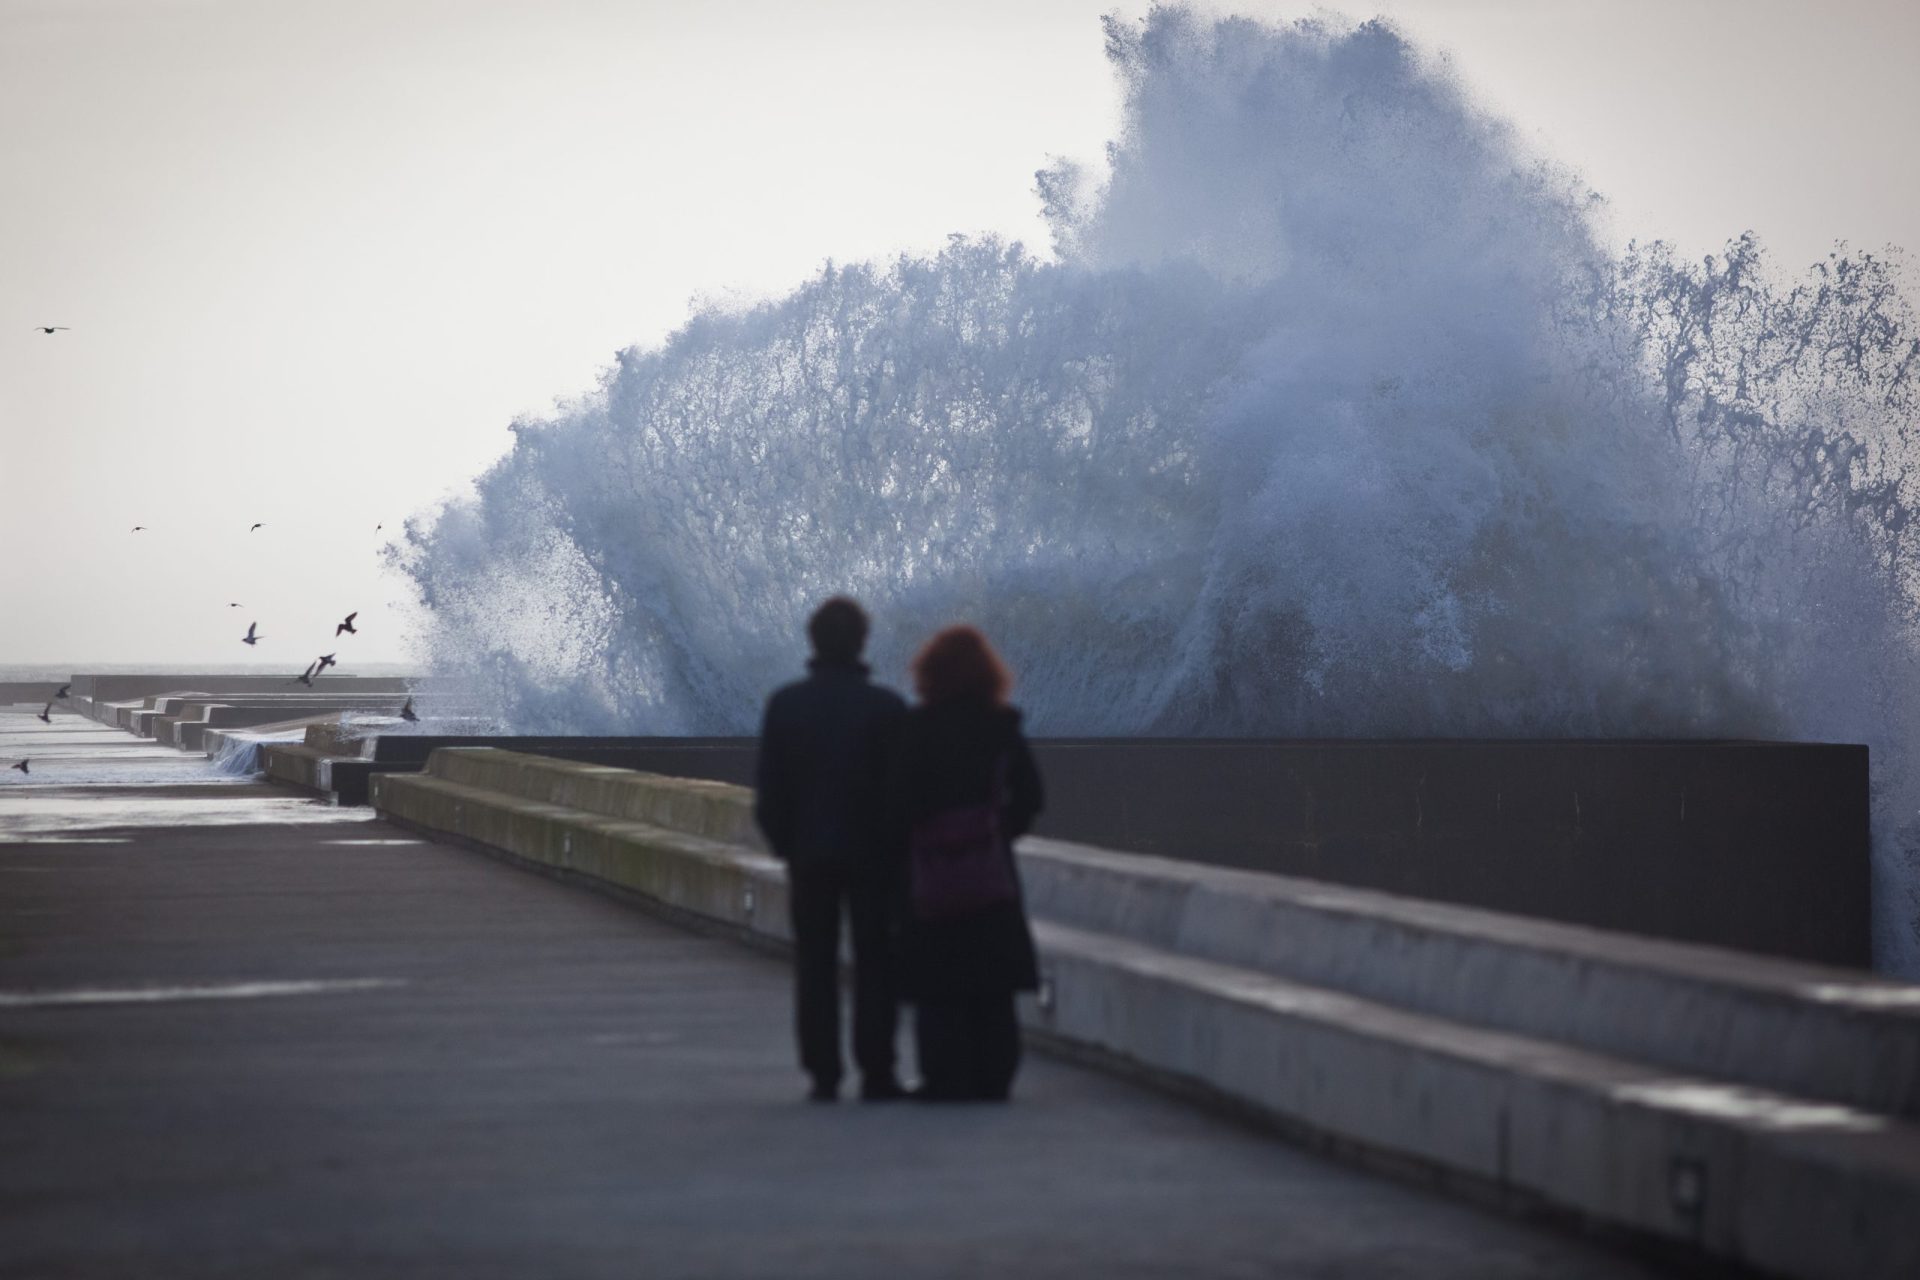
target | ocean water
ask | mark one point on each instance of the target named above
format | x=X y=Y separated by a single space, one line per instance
x=59 y=672
x=1326 y=413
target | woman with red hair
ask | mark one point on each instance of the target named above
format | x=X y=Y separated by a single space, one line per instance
x=966 y=787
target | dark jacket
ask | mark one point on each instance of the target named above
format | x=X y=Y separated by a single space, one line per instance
x=947 y=759
x=821 y=789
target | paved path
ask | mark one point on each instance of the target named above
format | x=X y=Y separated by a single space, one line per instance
x=249 y=1035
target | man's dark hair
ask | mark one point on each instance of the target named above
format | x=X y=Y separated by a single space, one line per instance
x=838 y=630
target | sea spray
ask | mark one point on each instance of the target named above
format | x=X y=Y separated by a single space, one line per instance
x=1329 y=416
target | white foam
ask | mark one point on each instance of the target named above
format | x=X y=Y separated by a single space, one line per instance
x=1332 y=418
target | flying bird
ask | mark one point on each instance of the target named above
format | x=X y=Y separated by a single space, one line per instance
x=234 y=605
x=406 y=712
x=326 y=660
x=46 y=715
x=256 y=525
x=377 y=528
x=137 y=528
x=22 y=767
x=347 y=626
x=251 y=637
x=306 y=677
x=63 y=691
x=51 y=328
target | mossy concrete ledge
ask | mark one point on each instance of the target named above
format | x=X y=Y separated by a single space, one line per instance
x=1351 y=1019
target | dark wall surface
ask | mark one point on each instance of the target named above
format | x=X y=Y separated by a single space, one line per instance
x=1753 y=845
x=1760 y=846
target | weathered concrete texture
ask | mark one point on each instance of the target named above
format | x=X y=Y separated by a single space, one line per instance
x=27 y=693
x=139 y=702
x=349 y=765
x=183 y=726
x=1833 y=1034
x=120 y=688
x=1395 y=1026
x=1758 y=846
x=191 y=734
x=546 y=1083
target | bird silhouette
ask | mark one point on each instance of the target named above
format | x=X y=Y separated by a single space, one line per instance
x=137 y=528
x=251 y=637
x=256 y=525
x=63 y=691
x=377 y=528
x=406 y=712
x=51 y=328
x=306 y=677
x=326 y=660
x=46 y=715
x=347 y=626
x=235 y=605
x=22 y=767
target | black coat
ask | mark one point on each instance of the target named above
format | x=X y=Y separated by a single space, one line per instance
x=820 y=793
x=947 y=758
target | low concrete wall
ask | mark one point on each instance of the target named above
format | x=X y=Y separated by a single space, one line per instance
x=1767 y=1127
x=183 y=726
x=1758 y=846
x=123 y=688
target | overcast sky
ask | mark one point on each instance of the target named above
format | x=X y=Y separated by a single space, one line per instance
x=316 y=256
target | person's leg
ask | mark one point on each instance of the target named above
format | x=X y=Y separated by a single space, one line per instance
x=875 y=991
x=940 y=1043
x=995 y=1026
x=813 y=898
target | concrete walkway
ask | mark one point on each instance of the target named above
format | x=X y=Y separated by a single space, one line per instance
x=245 y=1034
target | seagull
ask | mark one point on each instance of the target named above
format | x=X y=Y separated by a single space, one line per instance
x=306 y=677
x=256 y=525
x=406 y=712
x=46 y=715
x=51 y=328
x=347 y=626
x=326 y=660
x=22 y=767
x=63 y=691
x=250 y=637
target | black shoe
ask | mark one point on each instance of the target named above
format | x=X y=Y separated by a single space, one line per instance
x=884 y=1089
x=823 y=1092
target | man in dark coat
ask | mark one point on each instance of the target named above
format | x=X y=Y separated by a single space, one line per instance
x=821 y=800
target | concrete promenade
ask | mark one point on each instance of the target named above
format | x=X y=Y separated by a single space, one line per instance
x=245 y=1033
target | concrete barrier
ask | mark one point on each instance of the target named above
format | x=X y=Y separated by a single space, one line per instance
x=1756 y=1110
x=188 y=731
x=1758 y=846
x=123 y=688
x=170 y=726
x=28 y=693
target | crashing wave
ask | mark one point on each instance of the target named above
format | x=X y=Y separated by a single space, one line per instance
x=1328 y=415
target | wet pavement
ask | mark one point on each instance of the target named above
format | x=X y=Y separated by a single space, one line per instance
x=244 y=1033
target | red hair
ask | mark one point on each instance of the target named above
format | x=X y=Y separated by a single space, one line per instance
x=959 y=664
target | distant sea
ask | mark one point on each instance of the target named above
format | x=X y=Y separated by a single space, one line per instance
x=25 y=671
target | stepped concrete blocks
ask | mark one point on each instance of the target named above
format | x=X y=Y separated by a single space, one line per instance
x=1837 y=1034
x=712 y=810
x=1542 y=1123
x=679 y=869
x=1795 y=1184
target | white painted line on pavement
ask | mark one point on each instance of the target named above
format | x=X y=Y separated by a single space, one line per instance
x=149 y=995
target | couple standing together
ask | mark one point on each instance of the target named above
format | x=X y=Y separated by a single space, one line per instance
x=902 y=820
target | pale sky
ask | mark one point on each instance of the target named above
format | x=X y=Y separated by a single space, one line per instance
x=317 y=256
